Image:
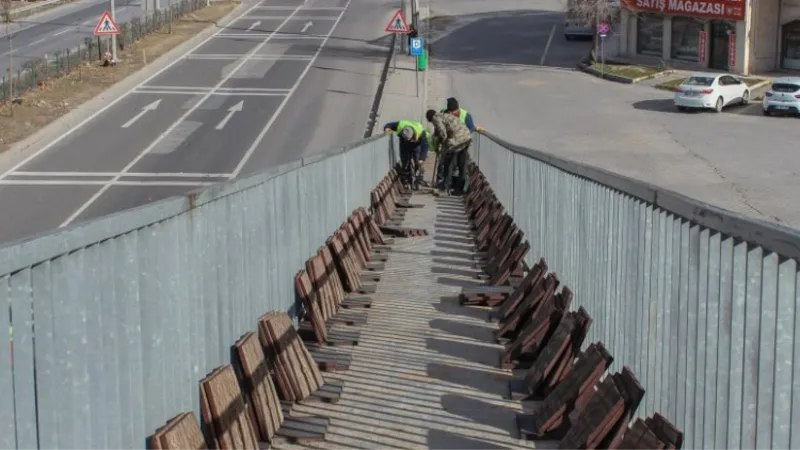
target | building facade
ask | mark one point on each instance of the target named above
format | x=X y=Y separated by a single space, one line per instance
x=740 y=36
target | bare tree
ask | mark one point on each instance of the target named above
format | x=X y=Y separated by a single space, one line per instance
x=589 y=13
x=7 y=18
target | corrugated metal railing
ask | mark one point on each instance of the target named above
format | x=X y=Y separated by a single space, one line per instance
x=116 y=320
x=701 y=303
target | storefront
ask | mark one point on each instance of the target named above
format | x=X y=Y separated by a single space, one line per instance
x=741 y=36
x=687 y=33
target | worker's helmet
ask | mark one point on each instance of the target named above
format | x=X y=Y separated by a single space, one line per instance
x=408 y=133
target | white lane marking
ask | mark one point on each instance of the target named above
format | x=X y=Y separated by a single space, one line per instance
x=294 y=18
x=231 y=111
x=65 y=30
x=102 y=183
x=146 y=109
x=211 y=88
x=37 y=42
x=308 y=25
x=292 y=36
x=102 y=110
x=202 y=56
x=306 y=8
x=195 y=93
x=128 y=174
x=277 y=112
x=254 y=24
x=180 y=120
x=547 y=46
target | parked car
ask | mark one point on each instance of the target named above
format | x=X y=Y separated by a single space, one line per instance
x=574 y=30
x=783 y=96
x=711 y=91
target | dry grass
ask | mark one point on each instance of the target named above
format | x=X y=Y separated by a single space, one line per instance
x=57 y=97
x=627 y=70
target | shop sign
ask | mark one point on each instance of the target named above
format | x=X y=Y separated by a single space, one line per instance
x=701 y=43
x=732 y=50
x=713 y=9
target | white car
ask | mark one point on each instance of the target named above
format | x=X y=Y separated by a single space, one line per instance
x=711 y=91
x=783 y=96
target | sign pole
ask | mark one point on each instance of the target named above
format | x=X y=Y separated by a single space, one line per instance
x=113 y=36
x=398 y=26
x=416 y=73
x=603 y=53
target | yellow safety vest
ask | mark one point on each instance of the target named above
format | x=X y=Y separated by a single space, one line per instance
x=418 y=128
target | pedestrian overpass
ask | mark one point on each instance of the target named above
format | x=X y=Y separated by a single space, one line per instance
x=125 y=322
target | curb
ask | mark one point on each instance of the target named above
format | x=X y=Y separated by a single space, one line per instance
x=618 y=78
x=73 y=118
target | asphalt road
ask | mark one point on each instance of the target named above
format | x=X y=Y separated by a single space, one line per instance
x=738 y=159
x=59 y=29
x=286 y=79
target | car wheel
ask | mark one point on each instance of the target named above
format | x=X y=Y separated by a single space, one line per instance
x=682 y=108
x=568 y=36
x=766 y=112
x=746 y=97
x=719 y=105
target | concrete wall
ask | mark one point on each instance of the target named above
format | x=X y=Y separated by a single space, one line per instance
x=764 y=36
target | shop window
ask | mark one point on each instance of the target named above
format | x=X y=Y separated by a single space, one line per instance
x=650 y=35
x=791 y=45
x=686 y=39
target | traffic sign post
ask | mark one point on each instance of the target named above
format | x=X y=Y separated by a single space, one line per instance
x=417 y=48
x=397 y=25
x=417 y=45
x=106 y=26
x=603 y=28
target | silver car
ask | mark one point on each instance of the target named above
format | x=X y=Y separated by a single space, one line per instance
x=783 y=96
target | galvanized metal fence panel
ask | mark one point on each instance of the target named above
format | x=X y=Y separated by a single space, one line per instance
x=128 y=312
x=699 y=302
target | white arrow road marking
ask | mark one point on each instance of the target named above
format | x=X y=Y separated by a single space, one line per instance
x=307 y=26
x=145 y=110
x=253 y=25
x=231 y=111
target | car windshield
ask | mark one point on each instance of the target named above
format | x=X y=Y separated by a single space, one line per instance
x=785 y=87
x=699 y=81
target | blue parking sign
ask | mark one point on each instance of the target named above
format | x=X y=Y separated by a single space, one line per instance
x=416 y=46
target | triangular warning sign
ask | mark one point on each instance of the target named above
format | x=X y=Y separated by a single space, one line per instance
x=398 y=23
x=106 y=25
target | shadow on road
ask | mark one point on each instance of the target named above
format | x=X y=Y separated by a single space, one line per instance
x=667 y=106
x=520 y=37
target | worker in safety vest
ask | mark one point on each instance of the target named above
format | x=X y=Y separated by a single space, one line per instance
x=466 y=118
x=453 y=142
x=414 y=145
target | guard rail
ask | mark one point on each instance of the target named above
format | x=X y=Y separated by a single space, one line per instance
x=115 y=320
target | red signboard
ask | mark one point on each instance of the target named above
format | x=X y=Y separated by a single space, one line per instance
x=713 y=9
x=702 y=46
x=732 y=49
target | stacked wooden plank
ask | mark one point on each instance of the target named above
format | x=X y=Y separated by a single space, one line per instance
x=180 y=432
x=577 y=405
x=389 y=206
x=296 y=373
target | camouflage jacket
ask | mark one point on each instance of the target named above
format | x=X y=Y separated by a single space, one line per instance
x=453 y=134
